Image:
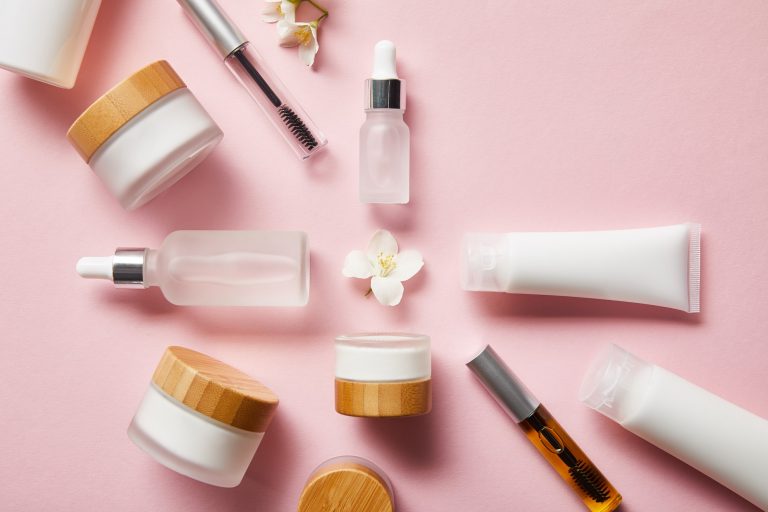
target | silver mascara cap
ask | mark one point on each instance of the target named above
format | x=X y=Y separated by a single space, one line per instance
x=220 y=31
x=508 y=391
x=128 y=267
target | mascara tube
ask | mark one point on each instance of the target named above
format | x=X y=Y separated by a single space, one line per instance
x=262 y=84
x=546 y=434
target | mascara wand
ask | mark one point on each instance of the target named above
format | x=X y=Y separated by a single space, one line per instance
x=249 y=68
x=544 y=432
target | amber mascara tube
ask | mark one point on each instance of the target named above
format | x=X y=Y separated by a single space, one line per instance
x=546 y=434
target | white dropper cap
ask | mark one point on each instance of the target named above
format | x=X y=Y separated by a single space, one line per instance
x=384 y=61
x=125 y=268
x=95 y=267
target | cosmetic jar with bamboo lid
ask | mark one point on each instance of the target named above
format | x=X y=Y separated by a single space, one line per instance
x=347 y=484
x=383 y=375
x=202 y=418
x=145 y=134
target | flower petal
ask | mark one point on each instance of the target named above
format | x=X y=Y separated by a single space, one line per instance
x=270 y=13
x=357 y=264
x=286 y=33
x=382 y=242
x=407 y=264
x=388 y=291
x=289 y=10
x=307 y=52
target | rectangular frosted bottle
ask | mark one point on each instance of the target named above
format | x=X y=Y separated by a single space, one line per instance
x=232 y=268
x=725 y=442
x=214 y=268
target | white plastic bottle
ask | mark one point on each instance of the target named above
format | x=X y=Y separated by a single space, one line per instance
x=658 y=266
x=725 y=442
x=384 y=137
x=214 y=268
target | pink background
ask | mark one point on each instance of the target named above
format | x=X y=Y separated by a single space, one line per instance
x=524 y=116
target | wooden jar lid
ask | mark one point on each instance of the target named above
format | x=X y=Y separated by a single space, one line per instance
x=121 y=104
x=383 y=399
x=215 y=389
x=347 y=484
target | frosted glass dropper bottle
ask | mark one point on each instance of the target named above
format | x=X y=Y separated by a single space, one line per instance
x=384 y=137
x=214 y=268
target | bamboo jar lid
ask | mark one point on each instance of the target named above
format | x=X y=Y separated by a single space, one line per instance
x=383 y=399
x=215 y=389
x=121 y=104
x=347 y=484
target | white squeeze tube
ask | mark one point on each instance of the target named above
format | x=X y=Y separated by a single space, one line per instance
x=658 y=266
x=725 y=442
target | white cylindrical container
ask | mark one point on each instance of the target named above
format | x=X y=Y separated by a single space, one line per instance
x=202 y=418
x=46 y=39
x=723 y=441
x=658 y=266
x=347 y=484
x=145 y=134
x=383 y=374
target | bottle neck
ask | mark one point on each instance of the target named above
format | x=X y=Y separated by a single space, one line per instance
x=151 y=273
x=383 y=112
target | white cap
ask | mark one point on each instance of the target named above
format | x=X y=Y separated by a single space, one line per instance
x=383 y=357
x=615 y=383
x=480 y=256
x=95 y=267
x=384 y=61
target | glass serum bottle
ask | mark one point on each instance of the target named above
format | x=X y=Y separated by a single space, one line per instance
x=384 y=137
x=214 y=268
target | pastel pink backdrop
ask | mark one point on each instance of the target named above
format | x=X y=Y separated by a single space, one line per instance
x=524 y=116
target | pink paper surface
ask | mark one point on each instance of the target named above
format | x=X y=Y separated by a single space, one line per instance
x=524 y=116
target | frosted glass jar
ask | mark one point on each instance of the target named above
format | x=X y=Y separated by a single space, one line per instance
x=202 y=418
x=145 y=134
x=46 y=39
x=383 y=375
x=347 y=484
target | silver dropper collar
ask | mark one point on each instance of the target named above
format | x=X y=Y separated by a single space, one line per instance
x=388 y=93
x=128 y=267
x=218 y=28
x=503 y=385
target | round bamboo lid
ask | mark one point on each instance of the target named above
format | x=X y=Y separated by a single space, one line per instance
x=383 y=399
x=215 y=389
x=347 y=484
x=121 y=104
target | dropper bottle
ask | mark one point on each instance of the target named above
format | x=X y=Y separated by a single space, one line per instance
x=384 y=137
x=214 y=268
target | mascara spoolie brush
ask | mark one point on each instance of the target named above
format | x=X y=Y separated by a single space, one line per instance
x=262 y=84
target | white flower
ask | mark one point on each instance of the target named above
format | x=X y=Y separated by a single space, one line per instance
x=301 y=34
x=385 y=266
x=276 y=10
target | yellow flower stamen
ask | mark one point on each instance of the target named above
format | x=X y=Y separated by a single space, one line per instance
x=386 y=263
x=304 y=35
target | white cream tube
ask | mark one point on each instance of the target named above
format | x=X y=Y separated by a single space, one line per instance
x=658 y=266
x=725 y=442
